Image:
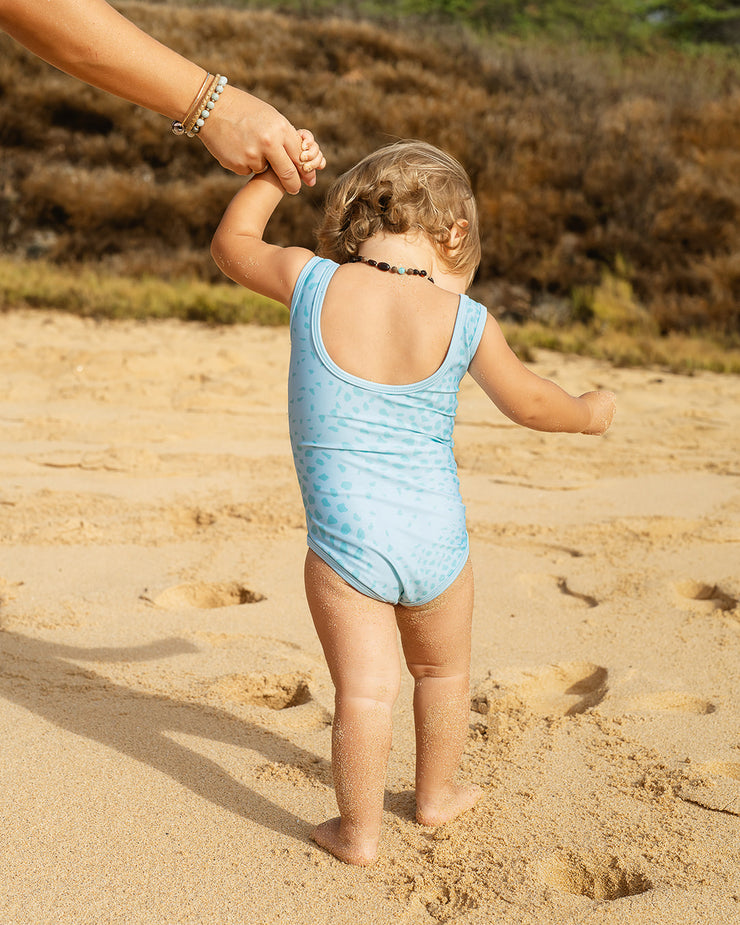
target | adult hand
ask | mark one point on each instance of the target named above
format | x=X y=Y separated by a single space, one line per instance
x=245 y=134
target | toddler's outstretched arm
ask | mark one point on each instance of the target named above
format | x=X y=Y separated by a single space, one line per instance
x=530 y=400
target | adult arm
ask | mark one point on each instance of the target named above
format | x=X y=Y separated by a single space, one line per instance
x=530 y=400
x=93 y=42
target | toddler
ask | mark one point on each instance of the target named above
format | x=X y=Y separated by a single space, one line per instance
x=381 y=335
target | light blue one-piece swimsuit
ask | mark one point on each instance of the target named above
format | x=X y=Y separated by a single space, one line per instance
x=374 y=462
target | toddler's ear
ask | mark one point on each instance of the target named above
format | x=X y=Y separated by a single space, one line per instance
x=458 y=233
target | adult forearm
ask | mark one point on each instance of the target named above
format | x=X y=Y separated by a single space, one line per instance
x=93 y=42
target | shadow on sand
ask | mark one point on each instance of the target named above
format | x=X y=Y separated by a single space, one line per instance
x=41 y=677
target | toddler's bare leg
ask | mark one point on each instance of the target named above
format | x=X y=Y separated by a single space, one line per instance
x=358 y=635
x=436 y=644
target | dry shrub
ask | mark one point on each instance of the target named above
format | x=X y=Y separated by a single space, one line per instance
x=587 y=168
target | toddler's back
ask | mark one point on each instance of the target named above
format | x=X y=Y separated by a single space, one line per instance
x=385 y=329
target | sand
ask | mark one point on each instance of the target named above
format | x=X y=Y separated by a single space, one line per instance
x=165 y=712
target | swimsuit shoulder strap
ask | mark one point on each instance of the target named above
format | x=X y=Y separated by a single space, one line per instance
x=473 y=321
x=311 y=285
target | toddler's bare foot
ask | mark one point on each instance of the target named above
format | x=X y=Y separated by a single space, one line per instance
x=351 y=850
x=447 y=805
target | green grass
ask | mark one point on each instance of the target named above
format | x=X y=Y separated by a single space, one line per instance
x=41 y=285
x=37 y=284
x=626 y=25
x=674 y=352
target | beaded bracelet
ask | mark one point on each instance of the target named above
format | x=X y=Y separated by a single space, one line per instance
x=178 y=127
x=212 y=97
x=201 y=107
x=199 y=104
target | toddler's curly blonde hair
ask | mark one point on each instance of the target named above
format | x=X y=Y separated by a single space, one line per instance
x=405 y=186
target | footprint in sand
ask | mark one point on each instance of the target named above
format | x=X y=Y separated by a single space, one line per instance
x=718 y=788
x=600 y=877
x=289 y=694
x=277 y=692
x=670 y=702
x=709 y=597
x=451 y=904
x=553 y=690
x=206 y=596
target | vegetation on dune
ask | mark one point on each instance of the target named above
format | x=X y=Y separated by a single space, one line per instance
x=592 y=168
x=617 y=332
x=86 y=292
x=626 y=24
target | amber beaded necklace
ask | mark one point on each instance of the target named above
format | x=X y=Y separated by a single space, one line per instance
x=388 y=268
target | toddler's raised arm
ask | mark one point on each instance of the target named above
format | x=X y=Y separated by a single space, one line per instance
x=238 y=246
x=530 y=400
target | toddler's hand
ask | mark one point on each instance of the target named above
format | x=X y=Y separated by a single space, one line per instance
x=602 y=406
x=311 y=157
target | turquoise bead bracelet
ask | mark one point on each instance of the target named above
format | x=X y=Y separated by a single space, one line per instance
x=201 y=107
x=210 y=103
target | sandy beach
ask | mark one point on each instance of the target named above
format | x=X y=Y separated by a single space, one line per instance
x=166 y=712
